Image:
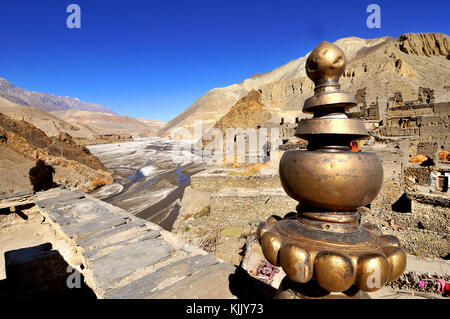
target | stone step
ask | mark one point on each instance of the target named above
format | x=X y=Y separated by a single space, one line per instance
x=148 y=285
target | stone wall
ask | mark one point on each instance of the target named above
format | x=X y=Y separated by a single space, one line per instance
x=216 y=179
x=234 y=214
x=410 y=110
x=429 y=147
x=429 y=121
x=422 y=243
x=418 y=175
x=434 y=131
x=432 y=215
x=392 y=155
x=39 y=271
x=422 y=231
x=429 y=216
x=423 y=126
x=257 y=202
x=442 y=108
x=396 y=131
x=224 y=205
x=433 y=120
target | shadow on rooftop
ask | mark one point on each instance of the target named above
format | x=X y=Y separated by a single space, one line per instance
x=41 y=272
x=244 y=286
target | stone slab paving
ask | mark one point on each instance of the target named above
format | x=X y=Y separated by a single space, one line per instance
x=123 y=256
x=57 y=196
x=118 y=235
x=16 y=199
x=18 y=195
x=206 y=284
x=111 y=268
x=146 y=286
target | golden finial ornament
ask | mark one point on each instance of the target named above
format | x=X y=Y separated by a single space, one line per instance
x=323 y=249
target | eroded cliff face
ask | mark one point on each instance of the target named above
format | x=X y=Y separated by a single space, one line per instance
x=427 y=44
x=380 y=66
x=287 y=95
x=248 y=112
x=381 y=70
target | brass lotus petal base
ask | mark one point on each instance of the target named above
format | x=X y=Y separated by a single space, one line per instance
x=335 y=260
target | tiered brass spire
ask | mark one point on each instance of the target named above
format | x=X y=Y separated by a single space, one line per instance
x=324 y=250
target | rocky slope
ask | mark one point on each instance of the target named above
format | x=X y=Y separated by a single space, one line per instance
x=21 y=144
x=248 y=112
x=153 y=125
x=427 y=44
x=36 y=139
x=381 y=66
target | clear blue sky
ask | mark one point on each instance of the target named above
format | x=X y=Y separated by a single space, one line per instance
x=154 y=58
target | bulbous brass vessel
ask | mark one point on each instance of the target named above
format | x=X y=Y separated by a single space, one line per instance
x=338 y=181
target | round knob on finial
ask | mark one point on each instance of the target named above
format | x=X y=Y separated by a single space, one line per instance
x=326 y=62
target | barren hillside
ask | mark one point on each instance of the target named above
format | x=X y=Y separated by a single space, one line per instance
x=382 y=66
x=81 y=120
x=248 y=112
x=21 y=144
x=106 y=123
x=48 y=123
x=46 y=102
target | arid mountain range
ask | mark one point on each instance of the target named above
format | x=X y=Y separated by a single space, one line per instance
x=107 y=123
x=47 y=102
x=48 y=123
x=54 y=115
x=380 y=67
